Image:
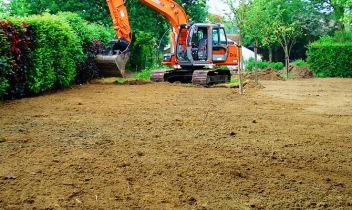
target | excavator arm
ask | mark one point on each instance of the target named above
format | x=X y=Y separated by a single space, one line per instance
x=168 y=8
x=117 y=54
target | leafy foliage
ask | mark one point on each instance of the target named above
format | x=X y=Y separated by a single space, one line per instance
x=143 y=45
x=54 y=54
x=87 y=69
x=330 y=57
x=50 y=52
x=263 y=64
x=15 y=60
x=300 y=62
x=5 y=60
x=91 y=37
x=144 y=74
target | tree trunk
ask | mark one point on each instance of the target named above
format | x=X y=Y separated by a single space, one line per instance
x=256 y=61
x=286 y=60
x=240 y=82
x=270 y=55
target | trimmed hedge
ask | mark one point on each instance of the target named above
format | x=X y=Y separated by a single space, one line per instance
x=44 y=52
x=330 y=59
x=54 y=55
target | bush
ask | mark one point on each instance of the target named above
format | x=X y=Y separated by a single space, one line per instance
x=43 y=52
x=263 y=64
x=87 y=70
x=87 y=35
x=5 y=60
x=142 y=47
x=276 y=65
x=144 y=74
x=300 y=62
x=54 y=54
x=330 y=56
x=16 y=38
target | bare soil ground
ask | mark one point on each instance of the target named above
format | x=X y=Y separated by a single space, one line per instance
x=281 y=145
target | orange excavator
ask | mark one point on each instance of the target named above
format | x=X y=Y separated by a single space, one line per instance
x=194 y=46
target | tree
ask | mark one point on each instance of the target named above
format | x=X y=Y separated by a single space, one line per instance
x=286 y=34
x=239 y=10
x=255 y=30
x=337 y=8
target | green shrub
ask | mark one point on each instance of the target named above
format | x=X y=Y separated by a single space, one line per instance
x=42 y=52
x=330 y=56
x=263 y=64
x=144 y=74
x=142 y=47
x=330 y=60
x=276 y=65
x=300 y=62
x=91 y=38
x=55 y=53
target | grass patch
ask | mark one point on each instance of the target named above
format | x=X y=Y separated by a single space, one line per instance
x=143 y=75
x=233 y=80
x=121 y=80
x=284 y=75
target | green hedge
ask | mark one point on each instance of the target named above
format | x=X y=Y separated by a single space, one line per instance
x=54 y=54
x=43 y=52
x=330 y=59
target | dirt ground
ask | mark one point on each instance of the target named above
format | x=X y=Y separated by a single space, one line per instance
x=281 y=145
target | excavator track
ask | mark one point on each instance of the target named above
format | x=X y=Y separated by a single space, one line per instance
x=200 y=77
x=157 y=75
x=205 y=77
x=210 y=77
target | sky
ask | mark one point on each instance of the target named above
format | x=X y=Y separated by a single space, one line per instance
x=217 y=7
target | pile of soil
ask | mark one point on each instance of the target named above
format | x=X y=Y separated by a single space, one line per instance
x=265 y=74
x=272 y=74
x=299 y=71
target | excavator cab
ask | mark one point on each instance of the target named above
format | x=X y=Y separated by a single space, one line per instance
x=201 y=44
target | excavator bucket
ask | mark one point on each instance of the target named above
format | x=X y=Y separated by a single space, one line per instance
x=112 y=62
x=112 y=65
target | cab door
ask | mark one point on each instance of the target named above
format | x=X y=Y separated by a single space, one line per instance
x=220 y=44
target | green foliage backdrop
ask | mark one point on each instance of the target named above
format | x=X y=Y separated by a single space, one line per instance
x=43 y=52
x=330 y=56
x=330 y=60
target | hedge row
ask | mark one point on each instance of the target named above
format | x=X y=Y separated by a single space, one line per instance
x=330 y=59
x=44 y=52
